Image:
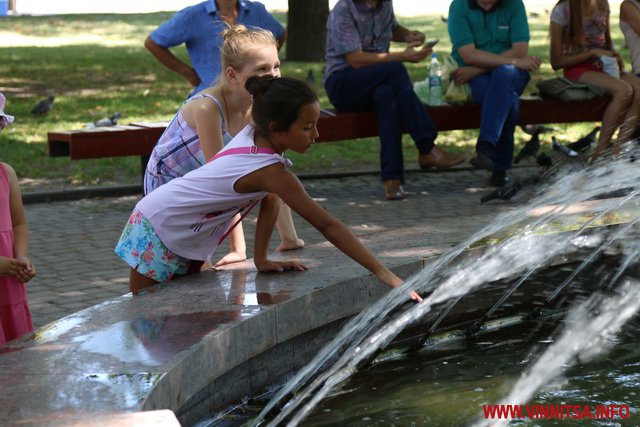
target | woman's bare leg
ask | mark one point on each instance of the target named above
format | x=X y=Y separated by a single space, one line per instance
x=621 y=94
x=288 y=237
x=631 y=121
x=138 y=282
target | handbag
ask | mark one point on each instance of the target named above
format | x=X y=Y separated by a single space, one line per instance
x=567 y=90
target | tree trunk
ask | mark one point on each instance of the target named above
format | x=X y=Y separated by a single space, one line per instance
x=306 y=28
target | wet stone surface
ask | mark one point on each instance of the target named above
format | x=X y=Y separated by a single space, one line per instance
x=111 y=355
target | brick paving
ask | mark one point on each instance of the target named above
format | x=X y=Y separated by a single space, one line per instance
x=72 y=241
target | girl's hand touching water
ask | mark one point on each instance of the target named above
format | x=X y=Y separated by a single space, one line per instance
x=390 y=279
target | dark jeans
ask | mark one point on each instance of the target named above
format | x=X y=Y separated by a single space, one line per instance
x=499 y=93
x=387 y=89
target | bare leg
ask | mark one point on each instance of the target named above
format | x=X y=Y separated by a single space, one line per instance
x=633 y=113
x=288 y=236
x=621 y=94
x=238 y=247
x=138 y=282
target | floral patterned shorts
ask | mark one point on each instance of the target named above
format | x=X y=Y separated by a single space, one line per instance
x=142 y=249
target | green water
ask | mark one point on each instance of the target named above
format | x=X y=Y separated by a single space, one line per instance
x=447 y=384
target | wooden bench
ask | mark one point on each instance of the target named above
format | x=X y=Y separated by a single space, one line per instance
x=138 y=139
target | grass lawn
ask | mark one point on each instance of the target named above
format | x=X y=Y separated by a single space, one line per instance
x=96 y=64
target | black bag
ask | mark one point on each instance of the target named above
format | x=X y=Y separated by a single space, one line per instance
x=567 y=90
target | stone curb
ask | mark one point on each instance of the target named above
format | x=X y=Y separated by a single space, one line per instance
x=135 y=189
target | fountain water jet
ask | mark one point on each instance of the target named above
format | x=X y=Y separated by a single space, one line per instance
x=364 y=335
x=591 y=327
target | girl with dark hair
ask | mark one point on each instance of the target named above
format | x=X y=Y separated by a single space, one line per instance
x=580 y=42
x=177 y=226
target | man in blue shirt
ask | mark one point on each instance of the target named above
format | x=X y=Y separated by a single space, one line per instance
x=200 y=27
x=490 y=41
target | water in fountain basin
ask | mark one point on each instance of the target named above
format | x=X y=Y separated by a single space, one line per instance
x=591 y=329
x=533 y=241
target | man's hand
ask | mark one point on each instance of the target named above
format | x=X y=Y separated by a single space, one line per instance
x=410 y=54
x=462 y=75
x=415 y=36
x=527 y=63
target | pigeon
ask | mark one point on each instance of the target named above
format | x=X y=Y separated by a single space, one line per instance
x=562 y=148
x=585 y=142
x=531 y=148
x=43 y=107
x=311 y=78
x=506 y=192
x=107 y=121
x=532 y=129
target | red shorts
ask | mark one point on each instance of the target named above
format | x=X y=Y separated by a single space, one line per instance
x=575 y=72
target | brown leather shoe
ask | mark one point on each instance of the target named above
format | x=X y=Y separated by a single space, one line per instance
x=439 y=159
x=393 y=190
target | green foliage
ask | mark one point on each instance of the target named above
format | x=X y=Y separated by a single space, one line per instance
x=96 y=64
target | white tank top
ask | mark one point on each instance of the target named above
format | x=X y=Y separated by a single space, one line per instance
x=191 y=214
x=633 y=41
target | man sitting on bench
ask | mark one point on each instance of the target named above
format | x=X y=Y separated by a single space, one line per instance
x=491 y=44
x=362 y=75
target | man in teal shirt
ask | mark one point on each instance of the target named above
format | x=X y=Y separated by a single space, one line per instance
x=490 y=41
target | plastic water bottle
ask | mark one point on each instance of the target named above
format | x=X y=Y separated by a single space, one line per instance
x=435 y=81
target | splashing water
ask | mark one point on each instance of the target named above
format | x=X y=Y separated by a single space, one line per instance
x=447 y=281
x=591 y=327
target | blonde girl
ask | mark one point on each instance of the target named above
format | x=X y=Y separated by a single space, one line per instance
x=209 y=119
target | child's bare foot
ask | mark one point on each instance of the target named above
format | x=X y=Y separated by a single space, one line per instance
x=206 y=265
x=230 y=258
x=290 y=246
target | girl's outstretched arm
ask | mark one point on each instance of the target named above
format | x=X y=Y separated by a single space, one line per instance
x=276 y=179
x=20 y=228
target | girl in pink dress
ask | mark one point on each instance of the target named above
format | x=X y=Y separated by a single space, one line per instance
x=15 y=267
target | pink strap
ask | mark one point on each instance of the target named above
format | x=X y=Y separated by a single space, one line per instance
x=244 y=150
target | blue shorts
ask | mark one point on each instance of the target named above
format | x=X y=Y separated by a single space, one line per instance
x=141 y=248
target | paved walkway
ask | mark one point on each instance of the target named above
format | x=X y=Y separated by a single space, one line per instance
x=72 y=242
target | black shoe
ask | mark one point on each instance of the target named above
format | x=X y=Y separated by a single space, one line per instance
x=482 y=158
x=498 y=179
